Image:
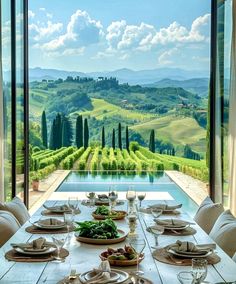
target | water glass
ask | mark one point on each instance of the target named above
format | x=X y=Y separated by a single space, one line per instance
x=199 y=269
x=92 y=197
x=157 y=231
x=132 y=219
x=185 y=277
x=59 y=242
x=156 y=212
x=68 y=219
x=141 y=197
x=73 y=203
x=138 y=244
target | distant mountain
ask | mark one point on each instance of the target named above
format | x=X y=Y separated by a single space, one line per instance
x=123 y=75
x=198 y=86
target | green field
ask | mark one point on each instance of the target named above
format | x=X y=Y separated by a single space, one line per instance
x=178 y=130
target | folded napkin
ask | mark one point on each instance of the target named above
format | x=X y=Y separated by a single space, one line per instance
x=50 y=222
x=62 y=208
x=173 y=223
x=36 y=245
x=102 y=274
x=189 y=247
x=162 y=206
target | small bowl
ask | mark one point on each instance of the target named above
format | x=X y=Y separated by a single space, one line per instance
x=126 y=262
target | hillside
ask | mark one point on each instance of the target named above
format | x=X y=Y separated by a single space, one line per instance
x=198 y=86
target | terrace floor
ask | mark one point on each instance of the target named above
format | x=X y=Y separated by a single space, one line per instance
x=196 y=189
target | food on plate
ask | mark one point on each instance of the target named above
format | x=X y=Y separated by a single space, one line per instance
x=126 y=253
x=105 y=229
x=105 y=211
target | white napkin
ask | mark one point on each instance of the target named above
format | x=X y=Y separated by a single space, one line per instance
x=37 y=244
x=64 y=207
x=103 y=274
x=191 y=247
x=173 y=223
x=50 y=221
x=161 y=206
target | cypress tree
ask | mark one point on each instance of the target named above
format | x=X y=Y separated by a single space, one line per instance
x=152 y=141
x=86 y=133
x=67 y=133
x=79 y=136
x=127 y=137
x=44 y=131
x=119 y=137
x=173 y=152
x=103 y=137
x=58 y=131
x=52 y=145
x=113 y=141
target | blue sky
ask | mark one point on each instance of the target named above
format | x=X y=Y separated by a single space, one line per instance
x=98 y=35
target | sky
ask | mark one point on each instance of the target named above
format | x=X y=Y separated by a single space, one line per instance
x=102 y=35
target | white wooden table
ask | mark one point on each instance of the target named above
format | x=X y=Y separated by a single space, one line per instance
x=85 y=256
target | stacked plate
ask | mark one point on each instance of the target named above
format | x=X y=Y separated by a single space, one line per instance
x=116 y=277
x=44 y=251
x=50 y=225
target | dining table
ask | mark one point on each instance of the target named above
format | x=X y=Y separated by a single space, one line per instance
x=83 y=256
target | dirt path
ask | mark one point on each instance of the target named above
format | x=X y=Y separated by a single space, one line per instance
x=89 y=162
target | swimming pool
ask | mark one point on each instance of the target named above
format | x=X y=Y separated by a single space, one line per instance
x=148 y=182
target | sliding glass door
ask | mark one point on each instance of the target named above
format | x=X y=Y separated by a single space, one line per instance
x=14 y=98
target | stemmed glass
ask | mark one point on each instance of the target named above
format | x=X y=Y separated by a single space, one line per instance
x=112 y=196
x=91 y=196
x=131 y=196
x=73 y=203
x=156 y=212
x=199 y=270
x=157 y=231
x=138 y=244
x=59 y=245
x=141 y=197
x=68 y=219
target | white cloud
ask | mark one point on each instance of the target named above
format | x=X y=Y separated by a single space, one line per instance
x=31 y=14
x=42 y=31
x=49 y=15
x=81 y=31
x=165 y=57
x=143 y=37
x=42 y=9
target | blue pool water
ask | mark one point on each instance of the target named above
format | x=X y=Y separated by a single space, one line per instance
x=148 y=182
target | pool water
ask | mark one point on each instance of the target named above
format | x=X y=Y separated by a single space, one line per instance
x=148 y=182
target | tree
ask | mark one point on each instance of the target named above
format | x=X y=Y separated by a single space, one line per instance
x=44 y=131
x=127 y=137
x=79 y=136
x=119 y=137
x=103 y=137
x=67 y=132
x=86 y=133
x=52 y=143
x=152 y=141
x=173 y=152
x=113 y=140
x=58 y=131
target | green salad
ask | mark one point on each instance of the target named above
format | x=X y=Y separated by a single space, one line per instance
x=97 y=229
x=104 y=210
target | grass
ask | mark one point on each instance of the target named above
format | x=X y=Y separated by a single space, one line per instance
x=177 y=130
x=103 y=109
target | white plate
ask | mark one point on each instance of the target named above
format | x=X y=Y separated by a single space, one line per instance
x=190 y=254
x=50 y=227
x=114 y=276
x=123 y=276
x=49 y=250
x=176 y=228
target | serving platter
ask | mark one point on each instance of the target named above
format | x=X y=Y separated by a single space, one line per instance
x=121 y=238
x=126 y=262
x=119 y=216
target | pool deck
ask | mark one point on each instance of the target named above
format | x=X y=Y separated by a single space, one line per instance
x=196 y=189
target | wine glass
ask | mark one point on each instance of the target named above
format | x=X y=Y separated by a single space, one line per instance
x=59 y=242
x=91 y=196
x=112 y=196
x=185 y=277
x=199 y=269
x=138 y=244
x=157 y=231
x=131 y=194
x=156 y=212
x=68 y=219
x=73 y=203
x=141 y=197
